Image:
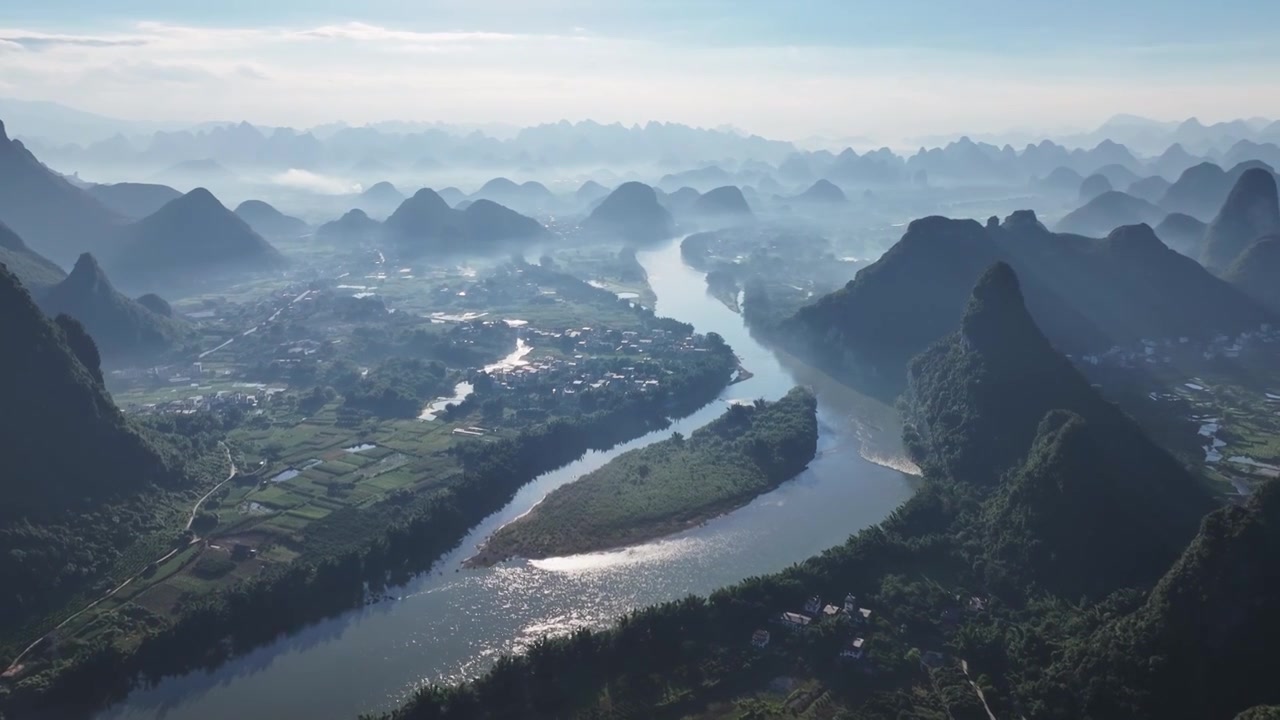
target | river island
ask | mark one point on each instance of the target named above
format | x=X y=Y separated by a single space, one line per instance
x=670 y=485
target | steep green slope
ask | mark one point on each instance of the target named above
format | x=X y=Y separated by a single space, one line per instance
x=35 y=271
x=57 y=219
x=59 y=401
x=1199 y=645
x=1251 y=211
x=1256 y=272
x=123 y=329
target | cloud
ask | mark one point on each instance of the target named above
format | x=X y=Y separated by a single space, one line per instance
x=362 y=72
x=363 y=32
x=314 y=182
x=37 y=43
x=132 y=73
x=249 y=72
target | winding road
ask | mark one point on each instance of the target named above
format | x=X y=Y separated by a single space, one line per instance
x=16 y=665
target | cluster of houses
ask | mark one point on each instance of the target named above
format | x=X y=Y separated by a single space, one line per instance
x=815 y=610
x=585 y=370
x=1155 y=352
x=211 y=402
x=655 y=342
x=163 y=373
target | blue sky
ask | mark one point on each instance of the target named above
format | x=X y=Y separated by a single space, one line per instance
x=786 y=69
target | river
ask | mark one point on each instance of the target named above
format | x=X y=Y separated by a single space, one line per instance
x=451 y=623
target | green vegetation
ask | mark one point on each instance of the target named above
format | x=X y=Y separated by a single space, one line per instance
x=1087 y=295
x=1005 y=587
x=124 y=329
x=790 y=265
x=75 y=524
x=317 y=518
x=669 y=485
x=398 y=388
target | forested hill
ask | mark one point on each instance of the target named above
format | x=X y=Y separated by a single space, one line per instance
x=75 y=468
x=913 y=295
x=35 y=271
x=1200 y=644
x=1086 y=294
x=63 y=440
x=124 y=329
x=994 y=404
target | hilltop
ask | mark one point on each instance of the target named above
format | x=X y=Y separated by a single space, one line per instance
x=822 y=192
x=426 y=224
x=35 y=271
x=57 y=219
x=1108 y=211
x=61 y=396
x=1182 y=233
x=190 y=237
x=123 y=329
x=1201 y=190
x=353 y=226
x=1087 y=295
x=631 y=213
x=268 y=221
x=1251 y=211
x=723 y=202
x=996 y=396
x=133 y=200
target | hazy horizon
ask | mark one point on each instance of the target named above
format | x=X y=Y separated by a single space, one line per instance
x=837 y=71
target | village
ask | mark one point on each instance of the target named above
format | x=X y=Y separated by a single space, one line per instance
x=858 y=627
x=1169 y=350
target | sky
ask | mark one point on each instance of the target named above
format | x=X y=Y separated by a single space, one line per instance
x=790 y=70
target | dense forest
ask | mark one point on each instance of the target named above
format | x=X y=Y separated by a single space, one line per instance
x=399 y=387
x=1139 y=610
x=669 y=485
x=68 y=517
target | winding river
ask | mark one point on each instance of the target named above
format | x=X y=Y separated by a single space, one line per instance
x=451 y=623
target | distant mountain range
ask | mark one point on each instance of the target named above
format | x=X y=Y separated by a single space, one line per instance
x=1124 y=150
x=425 y=224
